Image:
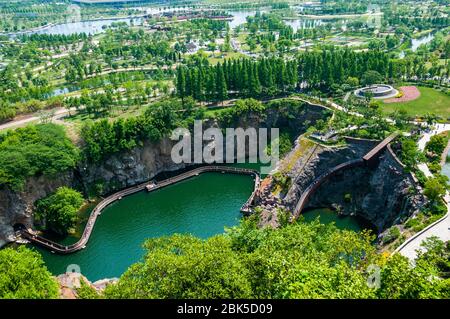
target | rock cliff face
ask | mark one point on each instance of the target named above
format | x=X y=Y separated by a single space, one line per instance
x=382 y=194
x=129 y=168
x=70 y=282
x=17 y=207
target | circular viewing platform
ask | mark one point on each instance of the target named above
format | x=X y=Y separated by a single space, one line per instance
x=377 y=91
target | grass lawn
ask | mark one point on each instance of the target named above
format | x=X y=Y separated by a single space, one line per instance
x=430 y=101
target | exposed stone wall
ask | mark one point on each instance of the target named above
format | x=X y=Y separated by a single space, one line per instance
x=127 y=168
x=383 y=194
x=324 y=159
x=17 y=206
x=130 y=168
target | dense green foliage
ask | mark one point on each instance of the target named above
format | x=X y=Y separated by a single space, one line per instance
x=58 y=212
x=410 y=154
x=104 y=138
x=34 y=150
x=325 y=70
x=24 y=276
x=298 y=261
x=436 y=146
x=245 y=77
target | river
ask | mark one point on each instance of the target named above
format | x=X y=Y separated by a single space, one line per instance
x=416 y=43
x=88 y=27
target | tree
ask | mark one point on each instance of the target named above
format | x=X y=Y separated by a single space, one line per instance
x=192 y=268
x=24 y=275
x=371 y=77
x=399 y=280
x=434 y=190
x=34 y=150
x=181 y=83
x=353 y=81
x=410 y=154
x=221 y=85
x=58 y=212
x=437 y=144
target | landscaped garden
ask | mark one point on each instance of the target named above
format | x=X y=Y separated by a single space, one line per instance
x=430 y=101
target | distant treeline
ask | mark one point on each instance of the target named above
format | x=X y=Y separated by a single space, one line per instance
x=270 y=76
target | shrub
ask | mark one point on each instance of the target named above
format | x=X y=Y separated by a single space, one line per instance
x=58 y=212
x=24 y=275
x=34 y=150
x=392 y=234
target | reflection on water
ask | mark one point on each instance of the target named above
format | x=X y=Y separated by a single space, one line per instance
x=201 y=206
x=88 y=27
x=304 y=23
x=416 y=43
x=327 y=216
x=240 y=17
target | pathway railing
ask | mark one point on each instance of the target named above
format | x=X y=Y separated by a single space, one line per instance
x=81 y=243
x=307 y=193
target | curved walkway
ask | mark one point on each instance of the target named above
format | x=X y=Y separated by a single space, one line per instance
x=61 y=249
x=441 y=227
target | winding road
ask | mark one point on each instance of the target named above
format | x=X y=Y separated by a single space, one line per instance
x=440 y=228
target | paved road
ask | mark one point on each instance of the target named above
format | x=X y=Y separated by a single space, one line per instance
x=59 y=113
x=427 y=136
x=440 y=228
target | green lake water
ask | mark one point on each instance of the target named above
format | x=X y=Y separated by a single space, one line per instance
x=327 y=216
x=201 y=206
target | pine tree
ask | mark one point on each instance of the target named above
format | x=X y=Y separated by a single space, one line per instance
x=221 y=85
x=181 y=83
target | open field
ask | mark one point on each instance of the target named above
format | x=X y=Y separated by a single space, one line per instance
x=430 y=101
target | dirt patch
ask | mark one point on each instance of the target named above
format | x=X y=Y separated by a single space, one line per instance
x=410 y=93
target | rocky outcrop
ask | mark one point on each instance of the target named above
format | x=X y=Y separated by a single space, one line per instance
x=307 y=170
x=138 y=165
x=71 y=281
x=17 y=206
x=130 y=168
x=382 y=195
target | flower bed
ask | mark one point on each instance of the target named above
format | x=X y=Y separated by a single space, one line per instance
x=409 y=93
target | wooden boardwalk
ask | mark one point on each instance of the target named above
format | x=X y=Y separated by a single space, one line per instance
x=80 y=244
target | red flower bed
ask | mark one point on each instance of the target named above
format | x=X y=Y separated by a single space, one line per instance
x=409 y=93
